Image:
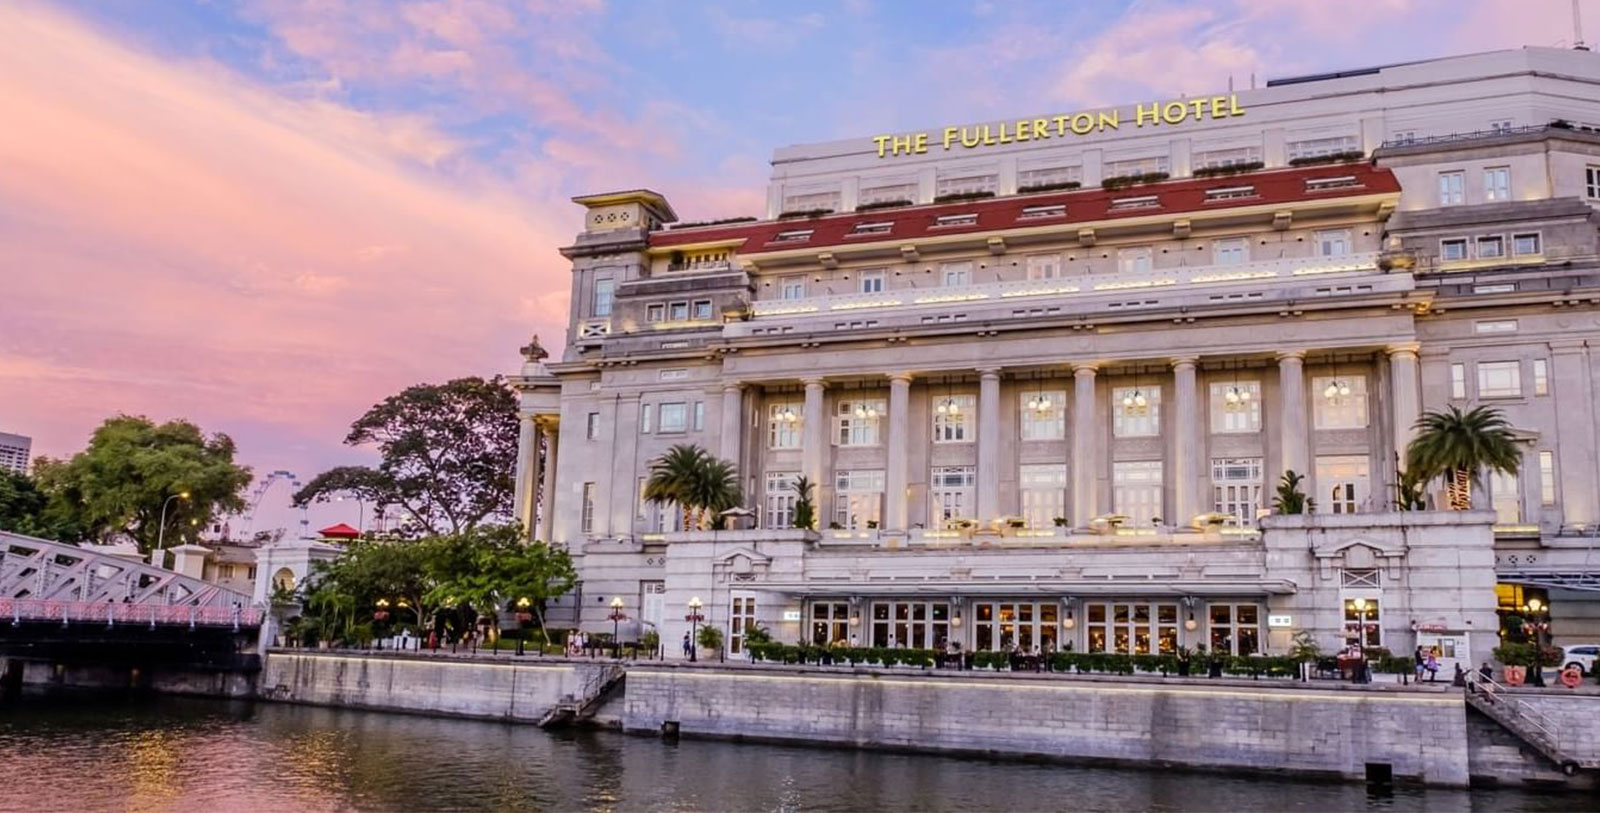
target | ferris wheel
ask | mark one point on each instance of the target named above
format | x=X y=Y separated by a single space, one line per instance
x=260 y=493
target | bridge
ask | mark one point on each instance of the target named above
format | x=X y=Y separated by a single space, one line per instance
x=77 y=611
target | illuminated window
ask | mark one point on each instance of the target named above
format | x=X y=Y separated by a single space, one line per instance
x=1344 y=482
x=1235 y=628
x=858 y=498
x=950 y=492
x=1236 y=489
x=857 y=421
x=1136 y=491
x=1362 y=626
x=1541 y=377
x=1499 y=379
x=953 y=418
x=1236 y=406
x=1341 y=401
x=1231 y=251
x=783 y=425
x=1136 y=412
x=1131 y=629
x=603 y=290
x=780 y=499
x=1043 y=414
x=1044 y=266
x=1044 y=489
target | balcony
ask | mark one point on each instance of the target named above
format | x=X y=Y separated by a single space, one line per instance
x=1083 y=285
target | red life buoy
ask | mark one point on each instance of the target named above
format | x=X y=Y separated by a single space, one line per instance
x=1571 y=677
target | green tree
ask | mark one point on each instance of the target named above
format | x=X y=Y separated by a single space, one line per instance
x=447 y=455
x=501 y=568
x=805 y=510
x=1456 y=446
x=1291 y=497
x=131 y=467
x=22 y=506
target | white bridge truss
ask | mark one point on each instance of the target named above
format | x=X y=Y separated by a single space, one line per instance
x=56 y=580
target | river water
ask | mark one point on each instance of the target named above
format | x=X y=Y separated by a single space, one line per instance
x=96 y=753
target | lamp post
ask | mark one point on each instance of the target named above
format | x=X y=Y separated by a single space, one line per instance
x=161 y=532
x=694 y=618
x=616 y=623
x=1536 y=608
x=1360 y=605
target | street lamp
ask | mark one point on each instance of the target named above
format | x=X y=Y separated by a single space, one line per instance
x=161 y=533
x=616 y=622
x=694 y=618
x=1360 y=605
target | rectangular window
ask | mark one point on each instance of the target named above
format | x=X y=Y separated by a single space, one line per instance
x=586 y=520
x=591 y=427
x=1049 y=176
x=1235 y=628
x=1131 y=629
x=655 y=313
x=674 y=417
x=603 y=292
x=1213 y=159
x=1341 y=403
x=1236 y=489
x=952 y=418
x=1044 y=266
x=1497 y=184
x=1328 y=184
x=1136 y=202
x=1523 y=245
x=1500 y=126
x=1452 y=188
x=1229 y=193
x=950 y=489
x=1236 y=407
x=966 y=185
x=1232 y=251
x=1137 y=166
x=956 y=274
x=968 y=219
x=830 y=623
x=1499 y=379
x=792 y=287
x=1458 y=381
x=1505 y=494
x=812 y=201
x=1135 y=412
x=888 y=193
x=678 y=312
x=1541 y=377
x=702 y=309
x=780 y=500
x=1591 y=182
x=881 y=227
x=1043 y=415
x=1333 y=243
x=857 y=421
x=1043 y=212
x=858 y=498
x=870 y=281
x=1361 y=626
x=1345 y=483
x=795 y=236
x=1136 y=491
x=1133 y=260
x=1547 y=478
x=699 y=416
x=1044 y=493
x=1495 y=326
x=1491 y=247
x=646 y=412
x=1453 y=249
x=783 y=425
x=1315 y=147
x=741 y=617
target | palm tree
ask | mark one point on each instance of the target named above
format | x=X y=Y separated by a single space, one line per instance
x=805 y=511
x=714 y=489
x=1291 y=498
x=1457 y=445
x=671 y=476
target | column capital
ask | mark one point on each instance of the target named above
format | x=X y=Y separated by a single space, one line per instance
x=1286 y=355
x=1085 y=368
x=1566 y=347
x=1180 y=362
x=814 y=381
x=1403 y=349
x=733 y=386
x=904 y=378
x=989 y=372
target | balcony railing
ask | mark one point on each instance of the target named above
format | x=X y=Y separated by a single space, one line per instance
x=1080 y=285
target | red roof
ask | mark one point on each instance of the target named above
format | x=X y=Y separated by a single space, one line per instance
x=340 y=531
x=1083 y=206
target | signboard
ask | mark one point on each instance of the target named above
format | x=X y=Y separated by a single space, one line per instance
x=1074 y=124
x=791 y=615
x=1280 y=621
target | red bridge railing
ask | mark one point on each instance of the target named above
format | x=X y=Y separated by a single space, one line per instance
x=17 y=610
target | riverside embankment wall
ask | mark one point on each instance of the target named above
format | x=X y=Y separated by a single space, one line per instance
x=1420 y=734
x=520 y=689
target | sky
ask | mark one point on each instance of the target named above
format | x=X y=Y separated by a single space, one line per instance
x=267 y=215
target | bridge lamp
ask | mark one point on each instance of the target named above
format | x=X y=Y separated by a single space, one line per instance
x=161 y=533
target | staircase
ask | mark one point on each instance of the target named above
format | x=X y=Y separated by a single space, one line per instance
x=1520 y=718
x=600 y=684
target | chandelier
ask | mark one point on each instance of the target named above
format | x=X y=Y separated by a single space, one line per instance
x=1135 y=402
x=866 y=411
x=1040 y=402
x=948 y=406
x=786 y=415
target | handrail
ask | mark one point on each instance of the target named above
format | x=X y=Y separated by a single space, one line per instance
x=1494 y=696
x=17 y=610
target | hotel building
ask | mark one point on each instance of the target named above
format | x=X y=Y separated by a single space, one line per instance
x=1046 y=374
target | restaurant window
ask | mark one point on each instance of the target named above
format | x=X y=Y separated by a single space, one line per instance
x=1044 y=490
x=1235 y=628
x=674 y=417
x=858 y=498
x=956 y=274
x=1135 y=412
x=1333 y=243
x=1044 y=266
x=780 y=499
x=1499 y=379
x=870 y=281
x=1136 y=491
x=1505 y=495
x=952 y=418
x=1497 y=184
x=911 y=624
x=1354 y=620
x=1345 y=482
x=1547 y=478
x=1236 y=489
x=1003 y=626
x=1232 y=251
x=1341 y=401
x=1131 y=628
x=830 y=622
x=603 y=291
x=784 y=420
x=1043 y=414
x=586 y=518
x=1452 y=188
x=857 y=421
x=1236 y=407
x=950 y=490
x=792 y=287
x=1133 y=260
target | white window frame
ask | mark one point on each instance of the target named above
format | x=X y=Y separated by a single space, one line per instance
x=1230 y=251
x=1333 y=242
x=646 y=413
x=1496 y=240
x=1454 y=249
x=1344 y=483
x=1236 y=484
x=954 y=275
x=1134 y=421
x=1042 y=490
x=1547 y=478
x=586 y=509
x=1137 y=491
x=672 y=417
x=678 y=311
x=1049 y=423
x=871 y=280
x=1591 y=186
x=655 y=312
x=853 y=429
x=1242 y=416
x=1496 y=184
x=1541 y=377
x=780 y=499
x=701 y=310
x=957 y=428
x=781 y=432
x=1044 y=266
x=1458 y=380
x=1452 y=188
x=1341 y=411
x=603 y=297
x=950 y=493
x=858 y=498
x=792 y=286
x=1526 y=244
x=1500 y=379
x=1505 y=497
x=1135 y=260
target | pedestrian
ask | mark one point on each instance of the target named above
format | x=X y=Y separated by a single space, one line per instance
x=1431 y=663
x=1485 y=672
x=688 y=645
x=1420 y=663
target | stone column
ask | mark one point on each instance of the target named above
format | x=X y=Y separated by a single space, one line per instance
x=988 y=444
x=547 y=516
x=814 y=443
x=733 y=425
x=1185 y=417
x=1085 y=447
x=1575 y=433
x=896 y=478
x=526 y=488
x=1292 y=406
x=1407 y=396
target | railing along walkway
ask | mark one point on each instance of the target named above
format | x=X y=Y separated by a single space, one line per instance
x=112 y=614
x=1521 y=718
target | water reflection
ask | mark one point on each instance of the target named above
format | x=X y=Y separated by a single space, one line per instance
x=177 y=754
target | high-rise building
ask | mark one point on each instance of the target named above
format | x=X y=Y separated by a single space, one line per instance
x=14 y=452
x=1045 y=375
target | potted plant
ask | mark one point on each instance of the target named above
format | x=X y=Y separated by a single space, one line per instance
x=1303 y=650
x=1184 y=661
x=650 y=641
x=710 y=639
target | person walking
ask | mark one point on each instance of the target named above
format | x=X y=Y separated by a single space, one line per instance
x=688 y=646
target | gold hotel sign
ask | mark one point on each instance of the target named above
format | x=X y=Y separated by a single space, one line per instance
x=985 y=135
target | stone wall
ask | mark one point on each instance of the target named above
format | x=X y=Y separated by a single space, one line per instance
x=1234 y=725
x=522 y=689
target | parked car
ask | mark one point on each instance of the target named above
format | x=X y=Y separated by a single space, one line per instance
x=1581 y=656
